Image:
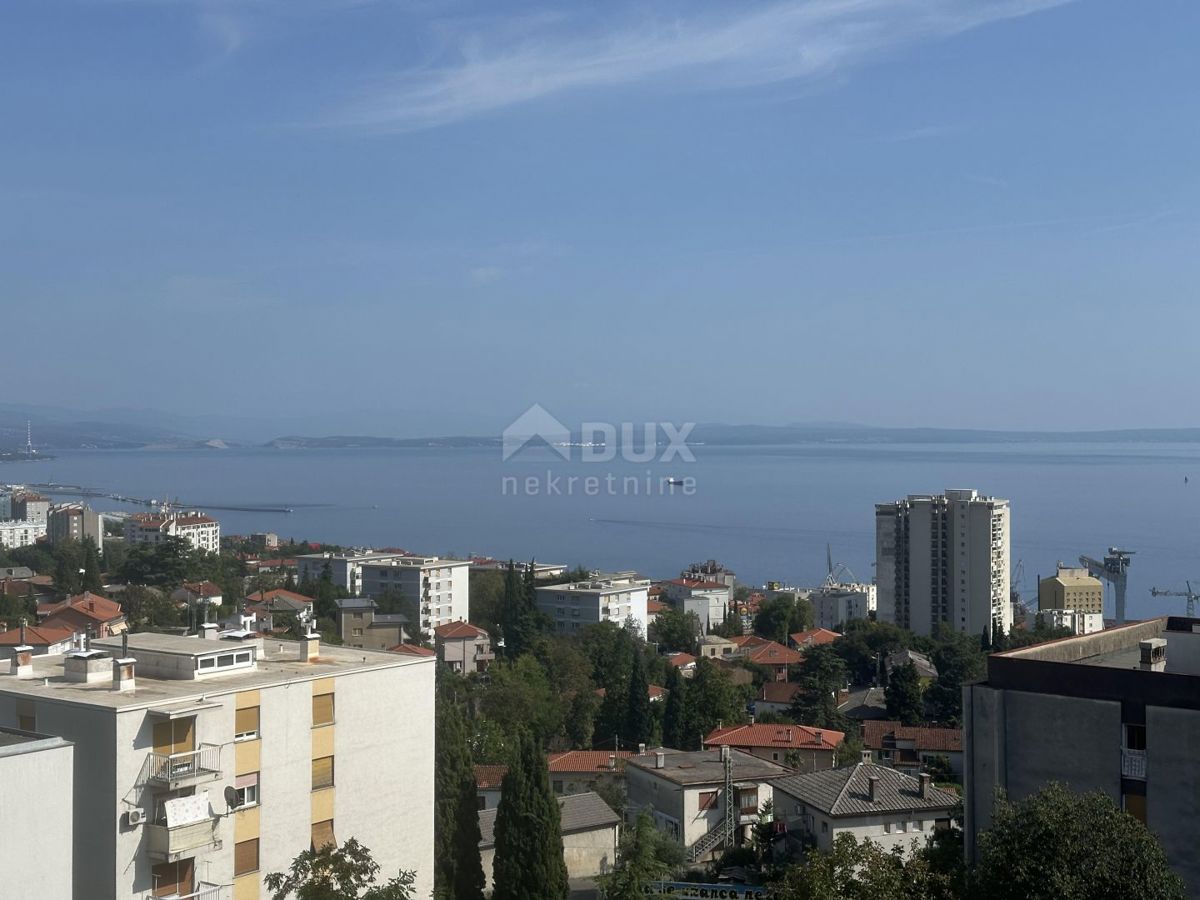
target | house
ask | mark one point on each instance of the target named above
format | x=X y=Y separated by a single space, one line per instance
x=926 y=670
x=709 y=600
x=814 y=637
x=1116 y=711
x=775 y=697
x=413 y=650
x=910 y=748
x=279 y=609
x=736 y=673
x=713 y=645
x=866 y=801
x=684 y=662
x=464 y=647
x=798 y=747
x=654 y=605
x=771 y=654
x=590 y=831
x=84 y=612
x=580 y=771
x=198 y=592
x=42 y=639
x=359 y=624
x=863 y=703
x=688 y=791
x=488 y=779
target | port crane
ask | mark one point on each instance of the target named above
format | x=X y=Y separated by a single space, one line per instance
x=1189 y=594
x=1112 y=570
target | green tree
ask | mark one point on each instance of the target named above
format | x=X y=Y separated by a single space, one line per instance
x=863 y=871
x=519 y=695
x=674 y=629
x=487 y=600
x=675 y=726
x=639 y=722
x=1057 y=844
x=68 y=566
x=458 y=872
x=958 y=659
x=646 y=854
x=713 y=700
x=520 y=621
x=820 y=676
x=864 y=643
x=91 y=567
x=903 y=694
x=529 y=856
x=581 y=719
x=338 y=873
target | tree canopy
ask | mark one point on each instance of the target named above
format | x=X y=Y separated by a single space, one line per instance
x=338 y=873
x=528 y=861
x=903 y=694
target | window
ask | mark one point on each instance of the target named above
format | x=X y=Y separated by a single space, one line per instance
x=172 y=879
x=247 y=790
x=175 y=736
x=357 y=632
x=482 y=802
x=887 y=827
x=245 y=724
x=322 y=709
x=708 y=800
x=322 y=834
x=558 y=787
x=322 y=773
x=1135 y=805
x=824 y=828
x=1135 y=737
x=245 y=857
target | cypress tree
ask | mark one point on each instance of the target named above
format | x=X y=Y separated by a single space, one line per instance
x=639 y=722
x=91 y=566
x=458 y=872
x=529 y=856
x=516 y=620
x=674 y=716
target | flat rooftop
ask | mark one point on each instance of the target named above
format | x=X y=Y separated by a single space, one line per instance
x=705 y=766
x=1119 y=647
x=279 y=662
x=13 y=741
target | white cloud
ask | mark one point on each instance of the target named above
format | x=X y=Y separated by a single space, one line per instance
x=490 y=68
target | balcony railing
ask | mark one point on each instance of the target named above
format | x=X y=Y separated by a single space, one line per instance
x=204 y=891
x=182 y=768
x=1133 y=764
x=170 y=844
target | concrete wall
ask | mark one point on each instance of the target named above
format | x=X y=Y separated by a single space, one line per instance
x=590 y=853
x=36 y=802
x=1173 y=787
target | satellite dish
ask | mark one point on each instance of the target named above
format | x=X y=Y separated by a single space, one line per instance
x=232 y=800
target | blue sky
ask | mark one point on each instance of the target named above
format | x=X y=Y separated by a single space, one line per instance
x=428 y=215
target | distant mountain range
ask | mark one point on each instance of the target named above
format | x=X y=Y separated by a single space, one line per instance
x=133 y=429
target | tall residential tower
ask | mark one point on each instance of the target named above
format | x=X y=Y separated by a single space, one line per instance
x=944 y=559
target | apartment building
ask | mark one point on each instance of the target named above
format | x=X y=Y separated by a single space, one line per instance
x=710 y=601
x=711 y=570
x=540 y=569
x=20 y=533
x=1071 y=619
x=345 y=569
x=36 y=789
x=616 y=597
x=201 y=531
x=1117 y=711
x=75 y=522
x=441 y=587
x=1071 y=598
x=944 y=559
x=29 y=506
x=836 y=604
x=203 y=763
x=703 y=799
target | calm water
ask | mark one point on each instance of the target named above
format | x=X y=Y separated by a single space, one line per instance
x=766 y=512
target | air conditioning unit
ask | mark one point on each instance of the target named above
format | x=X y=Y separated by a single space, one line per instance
x=136 y=816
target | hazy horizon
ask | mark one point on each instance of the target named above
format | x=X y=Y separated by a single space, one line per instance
x=421 y=219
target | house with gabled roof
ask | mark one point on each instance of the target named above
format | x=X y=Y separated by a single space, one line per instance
x=866 y=801
x=464 y=647
x=796 y=746
x=911 y=747
x=84 y=612
x=771 y=654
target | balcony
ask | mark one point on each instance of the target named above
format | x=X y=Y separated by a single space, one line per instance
x=1133 y=764
x=176 y=769
x=204 y=891
x=170 y=844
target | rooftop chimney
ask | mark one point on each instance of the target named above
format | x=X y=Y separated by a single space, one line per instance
x=1153 y=655
x=22 y=660
x=207 y=631
x=641 y=749
x=925 y=781
x=872 y=787
x=612 y=760
x=122 y=673
x=660 y=760
x=310 y=647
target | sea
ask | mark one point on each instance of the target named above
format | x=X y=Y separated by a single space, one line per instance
x=767 y=512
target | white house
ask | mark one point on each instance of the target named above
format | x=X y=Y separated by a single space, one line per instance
x=602 y=598
x=866 y=801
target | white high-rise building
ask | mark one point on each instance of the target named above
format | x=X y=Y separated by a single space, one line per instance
x=441 y=587
x=944 y=559
x=616 y=597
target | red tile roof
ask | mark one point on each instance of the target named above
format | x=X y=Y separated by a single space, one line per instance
x=587 y=760
x=787 y=737
x=881 y=734
x=749 y=640
x=488 y=778
x=90 y=606
x=203 y=588
x=697 y=584
x=778 y=691
x=681 y=659
x=412 y=650
x=37 y=635
x=459 y=631
x=770 y=653
x=655 y=606
x=814 y=637
x=268 y=596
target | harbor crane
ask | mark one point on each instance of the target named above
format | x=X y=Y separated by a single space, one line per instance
x=1189 y=594
x=1112 y=570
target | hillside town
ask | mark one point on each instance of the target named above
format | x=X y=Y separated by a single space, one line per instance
x=196 y=715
